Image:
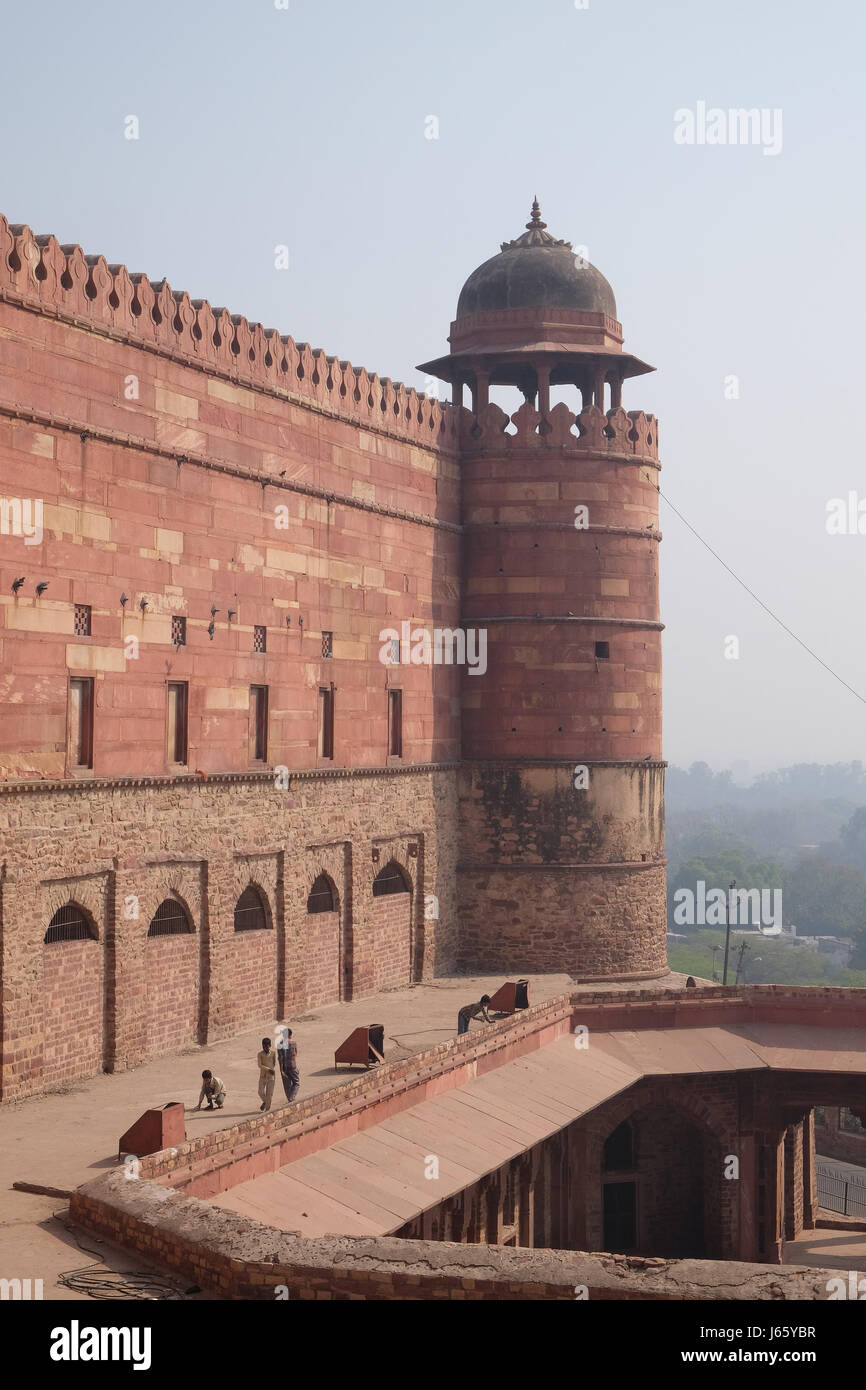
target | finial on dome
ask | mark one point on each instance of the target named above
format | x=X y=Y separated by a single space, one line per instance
x=536 y=233
x=535 y=220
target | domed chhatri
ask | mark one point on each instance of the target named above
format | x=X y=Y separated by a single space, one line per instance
x=534 y=316
x=536 y=271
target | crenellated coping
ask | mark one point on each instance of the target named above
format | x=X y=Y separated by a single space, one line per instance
x=62 y=280
x=592 y=431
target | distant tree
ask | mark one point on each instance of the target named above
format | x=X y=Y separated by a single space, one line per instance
x=852 y=838
x=825 y=899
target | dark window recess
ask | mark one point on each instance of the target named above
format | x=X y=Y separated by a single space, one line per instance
x=69 y=924
x=81 y=720
x=260 y=639
x=259 y=723
x=170 y=919
x=177 y=721
x=327 y=644
x=620 y=1216
x=395 y=723
x=326 y=723
x=250 y=914
x=619 y=1150
x=322 y=896
x=178 y=632
x=389 y=880
x=602 y=651
x=82 y=620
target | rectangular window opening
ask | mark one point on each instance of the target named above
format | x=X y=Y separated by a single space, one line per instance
x=178 y=631
x=326 y=722
x=602 y=651
x=395 y=723
x=259 y=723
x=327 y=645
x=177 y=721
x=81 y=720
x=260 y=639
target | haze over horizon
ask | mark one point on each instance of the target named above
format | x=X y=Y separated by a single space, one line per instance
x=262 y=127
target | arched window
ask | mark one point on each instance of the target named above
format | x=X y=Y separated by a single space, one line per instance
x=69 y=924
x=619 y=1149
x=170 y=919
x=250 y=913
x=389 y=880
x=322 y=897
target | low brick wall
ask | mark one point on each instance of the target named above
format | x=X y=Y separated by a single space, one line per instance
x=235 y=1258
x=218 y=1161
x=215 y=1162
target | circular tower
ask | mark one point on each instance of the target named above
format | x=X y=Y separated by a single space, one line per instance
x=562 y=786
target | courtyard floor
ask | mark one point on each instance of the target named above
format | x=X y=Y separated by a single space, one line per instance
x=67 y=1137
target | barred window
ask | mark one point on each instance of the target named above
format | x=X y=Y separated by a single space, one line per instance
x=178 y=631
x=250 y=914
x=260 y=639
x=69 y=924
x=323 y=897
x=327 y=644
x=170 y=919
x=82 y=620
x=389 y=880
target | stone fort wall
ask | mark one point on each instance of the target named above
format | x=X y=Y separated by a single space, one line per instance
x=224 y=508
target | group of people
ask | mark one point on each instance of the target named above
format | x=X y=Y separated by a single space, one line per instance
x=286 y=1056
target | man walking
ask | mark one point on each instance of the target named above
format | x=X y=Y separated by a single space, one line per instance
x=288 y=1057
x=267 y=1074
x=470 y=1011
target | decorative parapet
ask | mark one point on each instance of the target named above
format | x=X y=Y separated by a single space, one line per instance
x=61 y=281
x=592 y=431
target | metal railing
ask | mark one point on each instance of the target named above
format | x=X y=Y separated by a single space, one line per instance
x=840 y=1195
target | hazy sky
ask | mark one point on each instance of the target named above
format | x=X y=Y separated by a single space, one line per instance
x=305 y=126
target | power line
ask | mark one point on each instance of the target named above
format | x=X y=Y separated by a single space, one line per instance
x=760 y=601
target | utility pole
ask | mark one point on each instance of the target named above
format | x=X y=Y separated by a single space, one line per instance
x=727 y=930
x=743 y=948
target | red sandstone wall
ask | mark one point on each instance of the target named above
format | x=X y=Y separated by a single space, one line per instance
x=252 y=963
x=323 y=958
x=171 y=971
x=391 y=923
x=72 y=984
x=164 y=500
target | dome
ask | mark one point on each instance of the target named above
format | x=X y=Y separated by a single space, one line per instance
x=536 y=272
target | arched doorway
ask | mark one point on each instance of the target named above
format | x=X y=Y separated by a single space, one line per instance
x=172 y=979
x=656 y=1174
x=324 y=955
x=254 y=958
x=392 y=928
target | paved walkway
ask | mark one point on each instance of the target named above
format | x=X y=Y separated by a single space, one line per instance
x=831 y=1249
x=65 y=1138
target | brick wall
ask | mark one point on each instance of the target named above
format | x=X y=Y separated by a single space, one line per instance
x=252 y=963
x=171 y=977
x=596 y=924
x=72 y=975
x=203 y=842
x=233 y=1258
x=323 y=958
x=392 y=940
